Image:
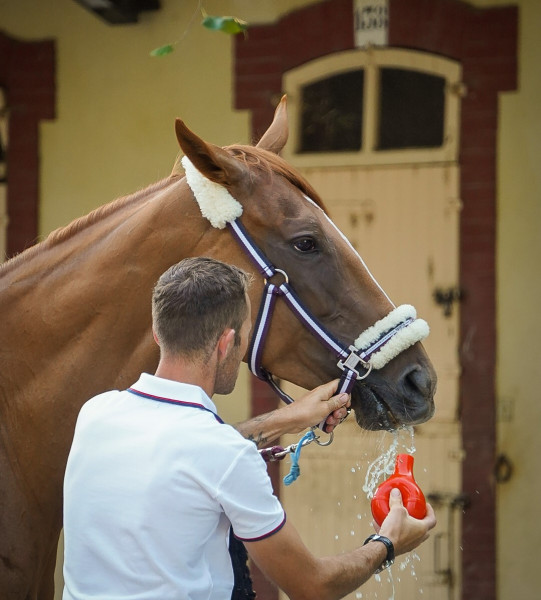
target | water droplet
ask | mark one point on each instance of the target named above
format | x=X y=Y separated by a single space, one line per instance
x=352 y=532
x=353 y=469
x=359 y=595
x=359 y=516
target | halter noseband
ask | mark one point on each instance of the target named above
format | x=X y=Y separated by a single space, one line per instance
x=373 y=349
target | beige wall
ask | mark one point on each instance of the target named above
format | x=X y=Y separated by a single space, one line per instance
x=518 y=320
x=114 y=134
x=116 y=105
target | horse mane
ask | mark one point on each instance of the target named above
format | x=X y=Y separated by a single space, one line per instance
x=272 y=163
x=62 y=234
x=254 y=157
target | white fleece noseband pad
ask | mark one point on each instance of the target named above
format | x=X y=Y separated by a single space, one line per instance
x=413 y=331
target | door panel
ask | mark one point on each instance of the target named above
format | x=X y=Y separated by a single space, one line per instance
x=403 y=220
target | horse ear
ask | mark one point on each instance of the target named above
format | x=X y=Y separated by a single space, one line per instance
x=211 y=161
x=275 y=138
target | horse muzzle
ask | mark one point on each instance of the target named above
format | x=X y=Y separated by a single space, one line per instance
x=389 y=401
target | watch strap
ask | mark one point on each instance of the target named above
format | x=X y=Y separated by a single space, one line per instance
x=389 y=560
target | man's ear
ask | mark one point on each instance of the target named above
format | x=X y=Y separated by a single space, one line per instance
x=155 y=337
x=225 y=343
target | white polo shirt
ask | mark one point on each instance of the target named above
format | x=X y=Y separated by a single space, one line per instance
x=153 y=482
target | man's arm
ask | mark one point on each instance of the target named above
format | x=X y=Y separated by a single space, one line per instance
x=311 y=409
x=285 y=559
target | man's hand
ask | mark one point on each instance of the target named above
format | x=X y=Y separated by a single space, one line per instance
x=313 y=408
x=405 y=532
x=321 y=405
x=286 y=561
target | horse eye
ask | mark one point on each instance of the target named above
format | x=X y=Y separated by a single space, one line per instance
x=305 y=244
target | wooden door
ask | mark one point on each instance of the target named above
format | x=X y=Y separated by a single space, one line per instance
x=401 y=212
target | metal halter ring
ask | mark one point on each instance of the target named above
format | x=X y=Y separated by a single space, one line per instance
x=286 y=278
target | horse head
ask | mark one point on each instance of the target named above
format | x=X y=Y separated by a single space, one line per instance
x=288 y=222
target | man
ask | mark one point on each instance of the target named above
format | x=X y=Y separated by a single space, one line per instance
x=155 y=480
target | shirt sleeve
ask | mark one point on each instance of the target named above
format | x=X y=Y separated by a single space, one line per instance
x=245 y=493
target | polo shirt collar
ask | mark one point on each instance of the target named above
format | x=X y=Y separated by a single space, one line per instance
x=173 y=390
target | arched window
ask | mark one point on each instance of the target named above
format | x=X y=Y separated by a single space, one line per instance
x=375 y=106
x=331 y=113
x=411 y=109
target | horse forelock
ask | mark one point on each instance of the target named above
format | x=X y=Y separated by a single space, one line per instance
x=264 y=160
x=62 y=234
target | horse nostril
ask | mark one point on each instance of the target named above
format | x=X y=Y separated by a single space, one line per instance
x=418 y=383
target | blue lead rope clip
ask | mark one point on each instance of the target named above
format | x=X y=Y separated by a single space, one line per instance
x=295 y=470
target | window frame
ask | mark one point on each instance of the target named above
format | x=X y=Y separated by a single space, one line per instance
x=371 y=60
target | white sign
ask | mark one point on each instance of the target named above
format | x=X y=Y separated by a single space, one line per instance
x=371 y=22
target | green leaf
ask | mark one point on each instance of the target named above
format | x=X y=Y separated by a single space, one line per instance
x=230 y=25
x=162 y=50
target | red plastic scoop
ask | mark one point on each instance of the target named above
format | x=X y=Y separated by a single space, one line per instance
x=402 y=478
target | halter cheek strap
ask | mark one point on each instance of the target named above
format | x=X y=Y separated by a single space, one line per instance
x=374 y=347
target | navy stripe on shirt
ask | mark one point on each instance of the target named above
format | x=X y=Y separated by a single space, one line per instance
x=173 y=401
x=266 y=535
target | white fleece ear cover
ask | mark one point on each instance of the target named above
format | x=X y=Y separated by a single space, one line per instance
x=215 y=202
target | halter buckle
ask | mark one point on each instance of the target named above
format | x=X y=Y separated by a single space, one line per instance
x=352 y=361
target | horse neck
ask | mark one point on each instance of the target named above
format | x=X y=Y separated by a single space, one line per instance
x=94 y=236
x=80 y=300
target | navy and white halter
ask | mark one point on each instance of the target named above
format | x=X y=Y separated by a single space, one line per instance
x=373 y=349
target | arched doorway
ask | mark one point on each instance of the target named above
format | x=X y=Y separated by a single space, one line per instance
x=376 y=132
x=484 y=42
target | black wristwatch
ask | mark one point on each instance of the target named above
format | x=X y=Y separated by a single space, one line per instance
x=389 y=560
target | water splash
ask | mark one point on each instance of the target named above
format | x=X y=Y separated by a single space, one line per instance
x=400 y=441
x=378 y=470
x=383 y=466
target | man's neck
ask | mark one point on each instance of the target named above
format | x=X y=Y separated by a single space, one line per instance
x=202 y=375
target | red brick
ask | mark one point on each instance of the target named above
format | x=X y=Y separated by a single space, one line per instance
x=27 y=70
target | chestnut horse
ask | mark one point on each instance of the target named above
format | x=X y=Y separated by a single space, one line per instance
x=76 y=321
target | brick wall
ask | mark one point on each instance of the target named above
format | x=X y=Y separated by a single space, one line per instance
x=484 y=41
x=27 y=73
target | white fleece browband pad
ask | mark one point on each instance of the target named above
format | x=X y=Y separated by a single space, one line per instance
x=215 y=202
x=416 y=331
